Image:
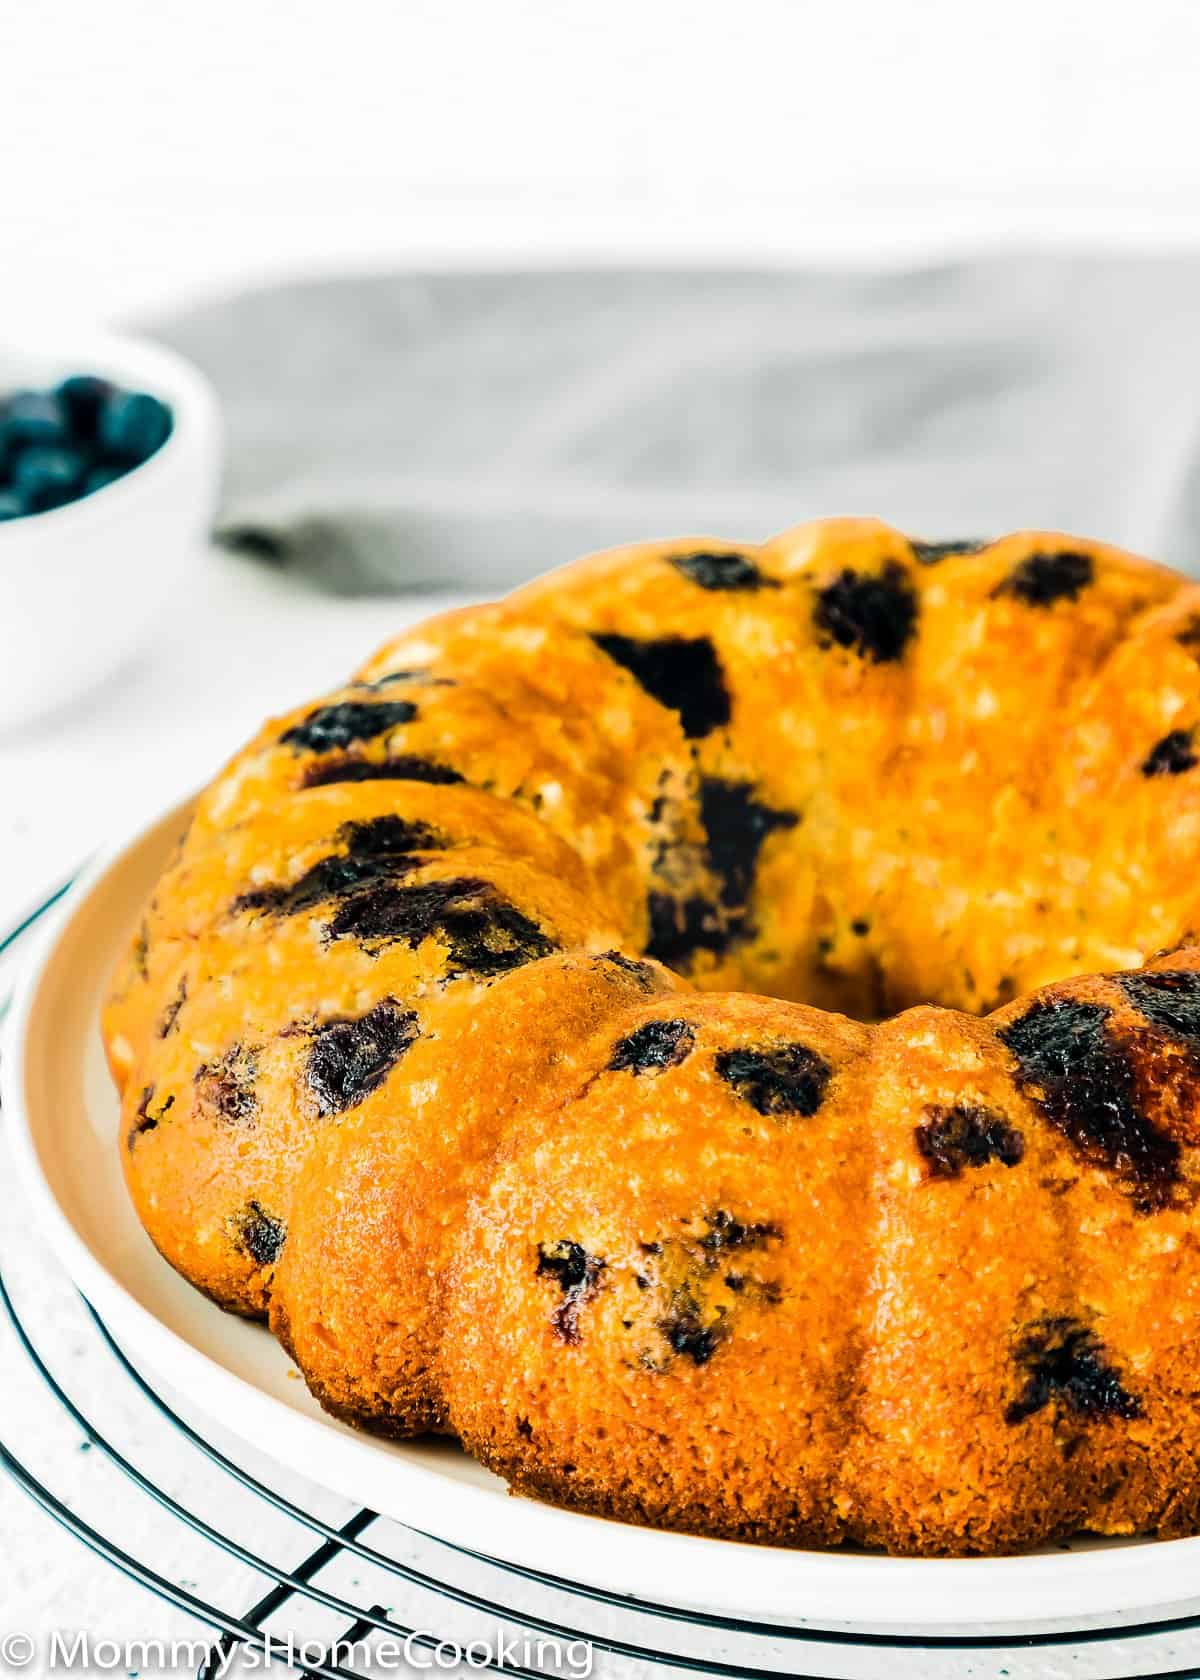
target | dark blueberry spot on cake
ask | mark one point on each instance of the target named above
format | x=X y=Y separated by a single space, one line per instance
x=226 y=1087
x=686 y=1332
x=675 y=853
x=655 y=1045
x=1169 y=998
x=698 y=1279
x=1042 y=579
x=953 y=1138
x=418 y=674
x=680 y=928
x=332 y=877
x=930 y=553
x=576 y=1273
x=679 y=672
x=725 y=1232
x=331 y=728
x=860 y=927
x=787 y=1079
x=874 y=614
x=568 y=1263
x=351 y=1058
x=405 y=768
x=169 y=1019
x=1173 y=755
x=722 y=571
x=1085 y=1081
x=642 y=972
x=1062 y=1360
x=485 y=933
x=389 y=837
x=384 y=848
x=258 y=1234
x=737 y=826
x=702 y=904
x=146 y=1120
x=180 y=843
x=1189 y=636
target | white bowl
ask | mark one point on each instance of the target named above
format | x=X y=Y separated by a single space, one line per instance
x=80 y=585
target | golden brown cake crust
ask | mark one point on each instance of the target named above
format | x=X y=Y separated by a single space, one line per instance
x=719 y=1033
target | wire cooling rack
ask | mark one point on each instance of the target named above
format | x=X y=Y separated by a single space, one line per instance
x=274 y=1567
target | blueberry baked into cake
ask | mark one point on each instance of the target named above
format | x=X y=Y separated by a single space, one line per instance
x=718 y=1033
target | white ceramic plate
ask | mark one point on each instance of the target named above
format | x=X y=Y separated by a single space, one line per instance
x=61 y=1116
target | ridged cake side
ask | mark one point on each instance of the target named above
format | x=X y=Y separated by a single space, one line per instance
x=436 y=1046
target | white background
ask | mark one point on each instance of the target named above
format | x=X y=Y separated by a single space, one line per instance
x=153 y=148
x=152 y=151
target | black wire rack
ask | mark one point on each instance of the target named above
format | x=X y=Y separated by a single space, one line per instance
x=274 y=1567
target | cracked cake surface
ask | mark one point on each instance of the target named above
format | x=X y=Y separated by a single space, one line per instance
x=718 y=1033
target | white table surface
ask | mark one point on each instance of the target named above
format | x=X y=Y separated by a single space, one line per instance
x=241 y=643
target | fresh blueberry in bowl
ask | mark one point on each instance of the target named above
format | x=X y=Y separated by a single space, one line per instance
x=32 y=419
x=132 y=426
x=47 y=478
x=83 y=396
x=72 y=439
x=98 y=477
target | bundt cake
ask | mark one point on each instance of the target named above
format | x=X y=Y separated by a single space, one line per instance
x=718 y=1032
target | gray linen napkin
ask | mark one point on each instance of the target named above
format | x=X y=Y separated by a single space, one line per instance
x=444 y=430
